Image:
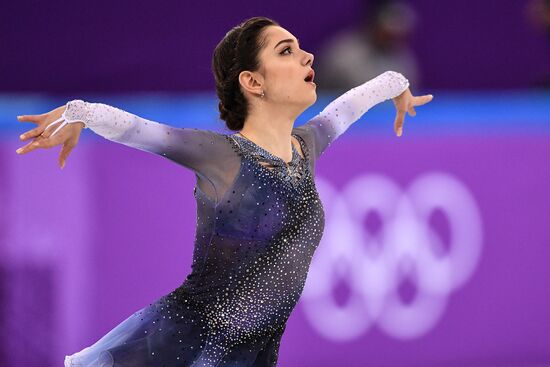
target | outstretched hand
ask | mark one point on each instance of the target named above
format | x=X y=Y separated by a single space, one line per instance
x=41 y=138
x=405 y=102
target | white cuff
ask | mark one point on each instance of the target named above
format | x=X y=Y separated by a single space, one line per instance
x=75 y=111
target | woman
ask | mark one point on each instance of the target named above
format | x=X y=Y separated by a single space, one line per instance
x=259 y=214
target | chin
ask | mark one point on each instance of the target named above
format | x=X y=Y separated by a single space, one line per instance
x=307 y=101
x=313 y=99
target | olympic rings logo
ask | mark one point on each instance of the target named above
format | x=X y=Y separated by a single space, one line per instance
x=406 y=248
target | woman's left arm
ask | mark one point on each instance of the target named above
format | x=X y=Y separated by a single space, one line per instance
x=335 y=119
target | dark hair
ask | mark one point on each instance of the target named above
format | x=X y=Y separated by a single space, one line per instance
x=236 y=52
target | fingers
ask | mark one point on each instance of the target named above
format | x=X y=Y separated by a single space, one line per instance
x=30 y=147
x=67 y=148
x=398 y=123
x=32 y=133
x=40 y=141
x=404 y=106
x=30 y=118
x=418 y=101
x=421 y=100
x=44 y=130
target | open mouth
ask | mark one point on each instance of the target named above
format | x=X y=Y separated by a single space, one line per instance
x=310 y=76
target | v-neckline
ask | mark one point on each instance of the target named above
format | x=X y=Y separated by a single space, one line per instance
x=285 y=172
x=295 y=154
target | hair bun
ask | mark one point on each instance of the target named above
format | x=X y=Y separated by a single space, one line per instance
x=236 y=52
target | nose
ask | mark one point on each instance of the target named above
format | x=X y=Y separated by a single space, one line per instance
x=309 y=58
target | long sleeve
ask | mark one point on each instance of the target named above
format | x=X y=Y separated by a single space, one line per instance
x=203 y=151
x=335 y=119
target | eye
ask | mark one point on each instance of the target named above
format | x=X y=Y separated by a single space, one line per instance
x=286 y=48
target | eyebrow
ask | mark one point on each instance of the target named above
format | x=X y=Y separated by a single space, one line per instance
x=288 y=40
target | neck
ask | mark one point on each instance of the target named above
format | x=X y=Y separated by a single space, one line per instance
x=271 y=129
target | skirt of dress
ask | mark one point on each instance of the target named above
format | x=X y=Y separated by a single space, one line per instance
x=168 y=333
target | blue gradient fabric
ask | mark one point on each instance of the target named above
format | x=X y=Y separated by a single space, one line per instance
x=259 y=221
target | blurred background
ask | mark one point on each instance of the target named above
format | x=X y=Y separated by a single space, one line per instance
x=436 y=245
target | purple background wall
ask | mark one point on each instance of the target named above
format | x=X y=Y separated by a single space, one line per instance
x=118 y=46
x=115 y=228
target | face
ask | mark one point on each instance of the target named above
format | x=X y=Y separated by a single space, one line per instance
x=283 y=68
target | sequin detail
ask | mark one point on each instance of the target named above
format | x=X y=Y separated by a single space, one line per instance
x=290 y=172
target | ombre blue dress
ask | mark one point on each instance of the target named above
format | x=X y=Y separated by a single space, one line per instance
x=259 y=221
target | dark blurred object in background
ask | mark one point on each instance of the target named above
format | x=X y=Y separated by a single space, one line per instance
x=538 y=13
x=379 y=43
x=458 y=45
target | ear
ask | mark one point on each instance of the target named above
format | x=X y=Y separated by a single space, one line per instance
x=251 y=82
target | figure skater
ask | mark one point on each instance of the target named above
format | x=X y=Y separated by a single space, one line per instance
x=259 y=218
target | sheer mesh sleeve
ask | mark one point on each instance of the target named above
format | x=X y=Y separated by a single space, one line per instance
x=335 y=119
x=205 y=152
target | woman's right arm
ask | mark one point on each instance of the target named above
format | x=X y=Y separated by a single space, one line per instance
x=190 y=147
